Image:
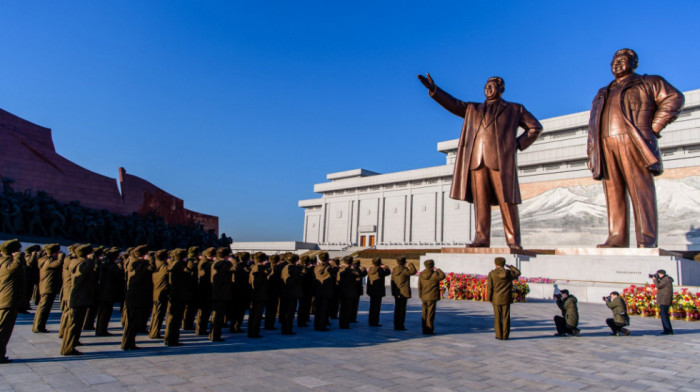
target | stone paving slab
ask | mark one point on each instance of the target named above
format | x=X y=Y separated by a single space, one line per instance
x=463 y=356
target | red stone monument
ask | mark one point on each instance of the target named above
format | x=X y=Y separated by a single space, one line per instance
x=28 y=156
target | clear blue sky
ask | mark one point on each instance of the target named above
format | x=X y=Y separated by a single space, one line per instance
x=240 y=107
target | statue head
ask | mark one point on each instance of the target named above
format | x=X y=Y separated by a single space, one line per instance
x=494 y=88
x=624 y=62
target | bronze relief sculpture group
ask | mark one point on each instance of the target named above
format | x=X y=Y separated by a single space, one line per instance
x=626 y=119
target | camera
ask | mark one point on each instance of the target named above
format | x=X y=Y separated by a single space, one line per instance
x=654 y=276
x=606 y=299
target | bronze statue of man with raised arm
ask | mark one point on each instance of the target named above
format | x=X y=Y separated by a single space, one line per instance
x=485 y=171
x=627 y=117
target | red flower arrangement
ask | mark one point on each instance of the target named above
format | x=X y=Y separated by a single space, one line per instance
x=641 y=300
x=473 y=287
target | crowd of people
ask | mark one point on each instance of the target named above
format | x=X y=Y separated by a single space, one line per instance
x=205 y=291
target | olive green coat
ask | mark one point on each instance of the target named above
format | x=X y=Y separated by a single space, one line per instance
x=347 y=282
x=376 y=282
x=429 y=284
x=139 y=284
x=401 y=280
x=619 y=310
x=292 y=276
x=500 y=285
x=222 y=280
x=12 y=284
x=50 y=274
x=569 y=310
x=160 y=277
x=83 y=279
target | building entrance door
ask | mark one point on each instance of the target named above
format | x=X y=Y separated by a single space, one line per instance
x=371 y=240
x=363 y=240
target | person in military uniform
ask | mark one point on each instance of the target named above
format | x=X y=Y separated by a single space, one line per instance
x=66 y=289
x=91 y=315
x=401 y=290
x=357 y=265
x=258 y=277
x=160 y=278
x=242 y=291
x=82 y=276
x=193 y=256
x=325 y=285
x=49 y=285
x=222 y=291
x=620 y=317
x=292 y=276
x=567 y=323
x=347 y=290
x=12 y=291
x=499 y=292
x=179 y=279
x=334 y=300
x=376 y=289
x=274 y=292
x=139 y=295
x=31 y=274
x=308 y=281
x=204 y=291
x=110 y=286
x=429 y=293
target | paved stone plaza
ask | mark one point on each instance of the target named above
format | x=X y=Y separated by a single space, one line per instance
x=463 y=356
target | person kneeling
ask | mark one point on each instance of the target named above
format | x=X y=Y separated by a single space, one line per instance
x=620 y=317
x=567 y=323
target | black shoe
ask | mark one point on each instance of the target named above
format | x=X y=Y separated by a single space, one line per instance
x=255 y=336
x=270 y=328
x=559 y=334
x=375 y=325
x=173 y=344
x=400 y=329
x=74 y=352
x=5 y=360
x=428 y=332
x=627 y=332
x=104 y=334
x=576 y=332
x=666 y=333
x=41 y=331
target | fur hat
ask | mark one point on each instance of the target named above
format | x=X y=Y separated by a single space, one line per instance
x=323 y=257
x=377 y=261
x=32 y=249
x=162 y=255
x=499 y=261
x=209 y=252
x=139 y=251
x=429 y=264
x=223 y=252
x=178 y=254
x=52 y=248
x=10 y=246
x=193 y=252
x=84 y=250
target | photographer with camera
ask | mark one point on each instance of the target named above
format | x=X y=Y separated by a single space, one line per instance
x=664 y=298
x=620 y=317
x=567 y=323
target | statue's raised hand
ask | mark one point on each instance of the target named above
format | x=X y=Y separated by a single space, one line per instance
x=427 y=81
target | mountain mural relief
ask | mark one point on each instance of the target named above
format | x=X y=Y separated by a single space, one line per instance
x=577 y=215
